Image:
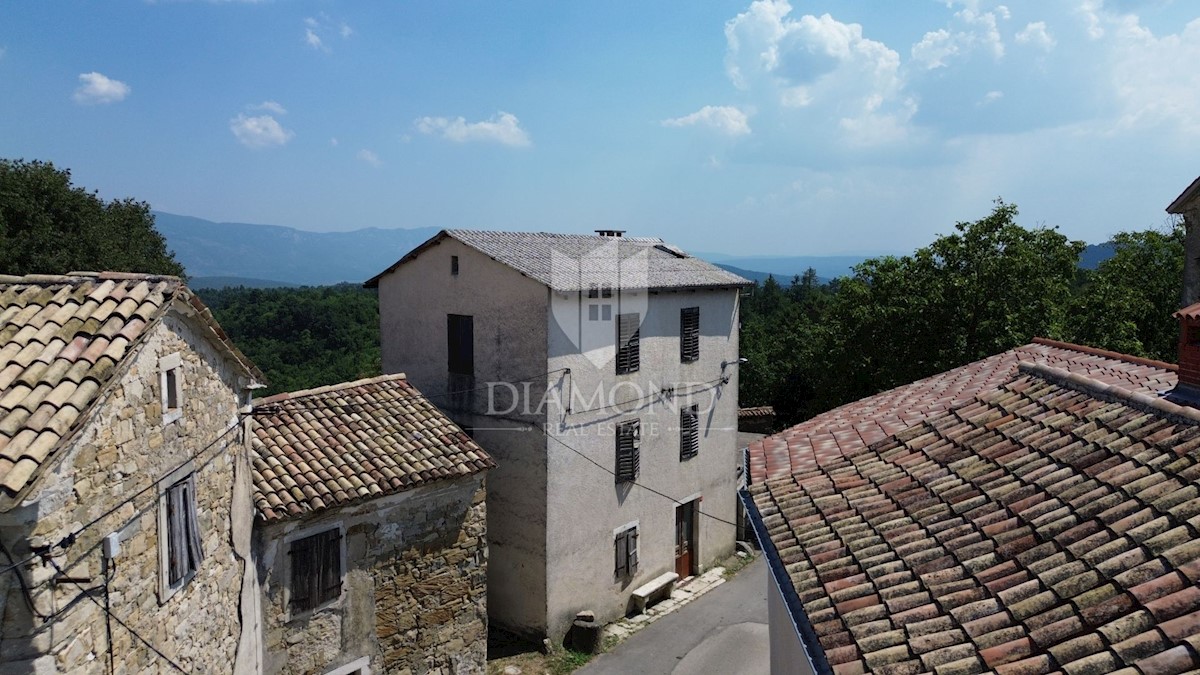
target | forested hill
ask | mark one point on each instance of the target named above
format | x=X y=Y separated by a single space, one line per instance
x=284 y=254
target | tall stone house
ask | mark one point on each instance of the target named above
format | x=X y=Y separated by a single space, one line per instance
x=370 y=541
x=600 y=371
x=1187 y=206
x=152 y=519
x=125 y=513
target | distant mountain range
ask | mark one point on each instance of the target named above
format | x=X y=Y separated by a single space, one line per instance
x=217 y=255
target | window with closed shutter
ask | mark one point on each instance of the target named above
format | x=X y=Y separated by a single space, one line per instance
x=628 y=343
x=316 y=570
x=625 y=547
x=689 y=334
x=629 y=440
x=689 y=432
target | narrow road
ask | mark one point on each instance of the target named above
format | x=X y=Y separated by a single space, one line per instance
x=722 y=631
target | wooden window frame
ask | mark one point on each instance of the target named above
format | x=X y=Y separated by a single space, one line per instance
x=628 y=449
x=689 y=432
x=178 y=529
x=170 y=386
x=689 y=334
x=629 y=352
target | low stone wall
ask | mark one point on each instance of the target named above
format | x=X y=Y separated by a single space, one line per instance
x=414 y=589
x=122 y=449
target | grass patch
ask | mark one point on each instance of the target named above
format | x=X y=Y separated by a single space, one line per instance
x=566 y=662
x=734 y=564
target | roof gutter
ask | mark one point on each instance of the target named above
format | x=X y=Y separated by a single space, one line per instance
x=805 y=632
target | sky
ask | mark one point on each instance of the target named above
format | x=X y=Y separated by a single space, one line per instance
x=802 y=128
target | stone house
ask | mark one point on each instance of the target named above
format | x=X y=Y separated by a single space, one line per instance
x=1037 y=511
x=370 y=533
x=592 y=368
x=125 y=510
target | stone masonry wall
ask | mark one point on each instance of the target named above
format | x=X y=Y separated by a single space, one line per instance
x=124 y=448
x=414 y=588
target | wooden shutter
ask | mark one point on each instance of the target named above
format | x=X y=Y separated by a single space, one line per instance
x=195 y=549
x=633 y=550
x=689 y=432
x=316 y=570
x=628 y=343
x=176 y=533
x=689 y=334
x=621 y=551
x=628 y=450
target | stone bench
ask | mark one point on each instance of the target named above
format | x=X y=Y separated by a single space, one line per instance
x=663 y=584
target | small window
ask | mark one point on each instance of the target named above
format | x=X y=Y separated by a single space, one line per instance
x=593 y=291
x=316 y=570
x=1193 y=336
x=629 y=441
x=689 y=432
x=454 y=265
x=170 y=381
x=460 y=344
x=689 y=334
x=180 y=544
x=606 y=291
x=628 y=343
x=625 y=546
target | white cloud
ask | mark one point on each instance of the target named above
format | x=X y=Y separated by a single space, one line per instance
x=333 y=142
x=726 y=119
x=95 y=88
x=262 y=131
x=1035 y=33
x=1155 y=77
x=318 y=29
x=821 y=65
x=313 y=40
x=268 y=106
x=935 y=48
x=503 y=128
x=369 y=157
x=991 y=97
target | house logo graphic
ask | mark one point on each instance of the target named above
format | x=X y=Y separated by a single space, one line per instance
x=598 y=292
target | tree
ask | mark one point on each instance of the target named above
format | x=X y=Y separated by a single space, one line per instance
x=988 y=287
x=1126 y=304
x=49 y=226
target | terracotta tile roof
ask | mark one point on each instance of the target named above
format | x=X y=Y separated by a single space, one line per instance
x=855 y=425
x=336 y=445
x=756 y=412
x=538 y=255
x=1048 y=525
x=62 y=338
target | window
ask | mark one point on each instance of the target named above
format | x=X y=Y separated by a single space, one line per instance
x=170 y=381
x=180 y=549
x=628 y=343
x=316 y=570
x=689 y=432
x=454 y=265
x=629 y=441
x=689 y=334
x=625 y=547
x=460 y=344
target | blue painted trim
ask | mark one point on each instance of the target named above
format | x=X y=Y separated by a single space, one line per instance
x=800 y=623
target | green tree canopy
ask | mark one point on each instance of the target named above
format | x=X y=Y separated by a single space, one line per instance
x=49 y=226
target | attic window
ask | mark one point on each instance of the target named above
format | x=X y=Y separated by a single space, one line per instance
x=454 y=265
x=170 y=380
x=1193 y=336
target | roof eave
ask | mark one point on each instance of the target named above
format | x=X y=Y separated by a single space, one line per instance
x=436 y=239
x=1189 y=195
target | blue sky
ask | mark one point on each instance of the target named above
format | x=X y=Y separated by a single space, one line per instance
x=807 y=128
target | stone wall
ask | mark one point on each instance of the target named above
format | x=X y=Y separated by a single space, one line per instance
x=413 y=593
x=122 y=449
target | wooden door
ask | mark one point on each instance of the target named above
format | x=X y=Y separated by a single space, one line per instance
x=685 y=539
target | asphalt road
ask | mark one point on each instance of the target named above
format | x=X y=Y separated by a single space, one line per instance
x=722 y=631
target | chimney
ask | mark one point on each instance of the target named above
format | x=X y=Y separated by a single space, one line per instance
x=1189 y=347
x=610 y=233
